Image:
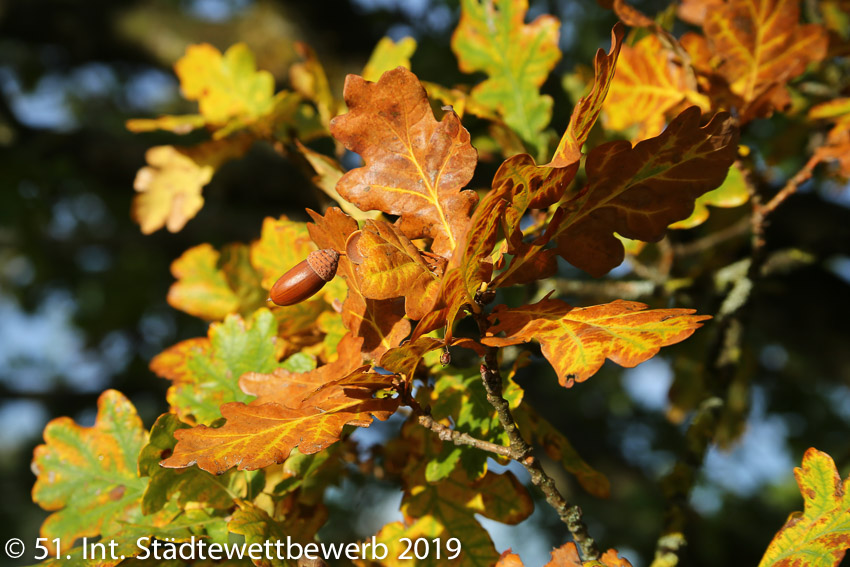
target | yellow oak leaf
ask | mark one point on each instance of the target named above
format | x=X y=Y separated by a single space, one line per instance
x=393 y=267
x=169 y=187
x=226 y=86
x=388 y=55
x=819 y=536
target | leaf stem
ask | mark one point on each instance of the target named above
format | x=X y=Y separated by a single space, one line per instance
x=521 y=451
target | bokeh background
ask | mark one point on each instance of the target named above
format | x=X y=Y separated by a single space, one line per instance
x=82 y=291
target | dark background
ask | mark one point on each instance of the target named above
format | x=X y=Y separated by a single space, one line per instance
x=82 y=291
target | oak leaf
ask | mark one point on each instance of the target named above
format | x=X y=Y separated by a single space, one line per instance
x=283 y=244
x=182 y=486
x=393 y=267
x=258 y=435
x=576 y=341
x=731 y=193
x=819 y=536
x=170 y=185
x=88 y=479
x=567 y=556
x=388 y=55
x=205 y=371
x=649 y=83
x=381 y=323
x=449 y=508
x=517 y=57
x=404 y=359
x=762 y=46
x=414 y=166
x=638 y=191
x=87 y=475
x=226 y=86
x=212 y=285
x=288 y=387
x=522 y=184
x=308 y=78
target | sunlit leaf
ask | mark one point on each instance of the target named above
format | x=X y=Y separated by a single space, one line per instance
x=87 y=475
x=226 y=86
x=492 y=37
x=283 y=244
x=205 y=371
x=381 y=323
x=648 y=84
x=762 y=46
x=308 y=78
x=388 y=55
x=819 y=536
x=415 y=167
x=256 y=436
x=288 y=387
x=170 y=185
x=393 y=267
x=576 y=341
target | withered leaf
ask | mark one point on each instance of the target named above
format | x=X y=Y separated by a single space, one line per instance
x=637 y=192
x=415 y=167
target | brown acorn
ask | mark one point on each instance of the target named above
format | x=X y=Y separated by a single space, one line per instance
x=306 y=278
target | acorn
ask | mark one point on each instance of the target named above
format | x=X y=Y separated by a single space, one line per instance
x=306 y=278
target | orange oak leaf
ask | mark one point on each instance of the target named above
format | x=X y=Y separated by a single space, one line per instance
x=761 y=46
x=648 y=84
x=567 y=556
x=536 y=186
x=819 y=536
x=576 y=341
x=258 y=435
x=290 y=388
x=637 y=192
x=381 y=323
x=415 y=167
x=393 y=267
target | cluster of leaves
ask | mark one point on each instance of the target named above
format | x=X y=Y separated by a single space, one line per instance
x=276 y=390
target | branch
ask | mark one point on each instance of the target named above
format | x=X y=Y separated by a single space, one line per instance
x=521 y=451
x=723 y=362
x=457 y=437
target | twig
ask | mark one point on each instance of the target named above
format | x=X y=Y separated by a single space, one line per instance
x=708 y=242
x=521 y=451
x=457 y=437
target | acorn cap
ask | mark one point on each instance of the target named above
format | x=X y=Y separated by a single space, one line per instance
x=324 y=263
